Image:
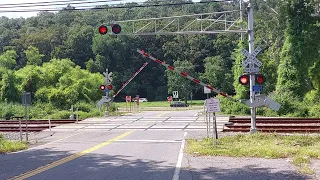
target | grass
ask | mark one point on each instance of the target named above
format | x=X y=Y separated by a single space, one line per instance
x=11 y=146
x=301 y=148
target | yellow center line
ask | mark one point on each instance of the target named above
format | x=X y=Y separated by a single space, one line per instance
x=164 y=113
x=73 y=156
x=69 y=158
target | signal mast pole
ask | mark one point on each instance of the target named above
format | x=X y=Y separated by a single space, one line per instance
x=253 y=128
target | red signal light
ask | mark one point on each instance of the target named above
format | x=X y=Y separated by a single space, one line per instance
x=244 y=79
x=259 y=79
x=102 y=87
x=109 y=87
x=103 y=29
x=116 y=28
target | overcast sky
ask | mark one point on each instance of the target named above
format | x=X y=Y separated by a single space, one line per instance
x=29 y=14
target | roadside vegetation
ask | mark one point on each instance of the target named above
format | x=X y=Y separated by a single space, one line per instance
x=300 y=148
x=11 y=146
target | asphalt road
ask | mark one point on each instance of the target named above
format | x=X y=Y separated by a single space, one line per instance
x=142 y=146
x=100 y=148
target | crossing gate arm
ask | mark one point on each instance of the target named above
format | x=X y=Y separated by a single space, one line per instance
x=185 y=74
x=133 y=76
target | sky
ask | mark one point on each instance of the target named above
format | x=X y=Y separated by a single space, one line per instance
x=29 y=14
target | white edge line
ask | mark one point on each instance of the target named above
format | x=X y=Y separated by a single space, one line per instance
x=180 y=157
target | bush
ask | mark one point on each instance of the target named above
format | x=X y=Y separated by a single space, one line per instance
x=9 y=110
x=112 y=107
x=233 y=108
x=291 y=105
x=315 y=111
x=85 y=107
x=267 y=112
x=60 y=115
x=85 y=115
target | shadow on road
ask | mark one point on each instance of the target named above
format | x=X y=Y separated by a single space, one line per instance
x=100 y=166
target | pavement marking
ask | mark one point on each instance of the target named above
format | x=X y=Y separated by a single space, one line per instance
x=147 y=140
x=196 y=114
x=159 y=115
x=178 y=166
x=69 y=158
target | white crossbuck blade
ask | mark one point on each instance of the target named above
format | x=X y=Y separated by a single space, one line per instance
x=251 y=61
x=262 y=100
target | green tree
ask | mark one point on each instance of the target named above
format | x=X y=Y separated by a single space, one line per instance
x=296 y=56
x=176 y=82
x=240 y=90
x=217 y=74
x=33 y=56
x=8 y=59
x=8 y=90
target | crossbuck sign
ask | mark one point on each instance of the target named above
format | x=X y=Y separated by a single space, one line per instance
x=175 y=94
x=107 y=77
x=251 y=61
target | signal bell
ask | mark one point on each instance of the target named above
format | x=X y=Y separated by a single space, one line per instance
x=244 y=79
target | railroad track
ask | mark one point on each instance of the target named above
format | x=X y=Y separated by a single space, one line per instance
x=280 y=125
x=32 y=125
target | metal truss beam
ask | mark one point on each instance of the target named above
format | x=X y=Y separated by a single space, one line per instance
x=206 y=23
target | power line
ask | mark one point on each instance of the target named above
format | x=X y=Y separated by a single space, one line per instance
x=55 y=3
x=51 y=2
x=116 y=6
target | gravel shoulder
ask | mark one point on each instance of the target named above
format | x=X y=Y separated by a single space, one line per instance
x=231 y=168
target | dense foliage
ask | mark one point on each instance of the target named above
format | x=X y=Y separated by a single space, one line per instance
x=59 y=57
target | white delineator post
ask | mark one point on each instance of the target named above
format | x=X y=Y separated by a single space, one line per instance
x=253 y=128
x=185 y=74
x=134 y=75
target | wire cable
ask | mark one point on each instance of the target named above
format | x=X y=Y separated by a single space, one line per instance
x=116 y=6
x=51 y=2
x=57 y=4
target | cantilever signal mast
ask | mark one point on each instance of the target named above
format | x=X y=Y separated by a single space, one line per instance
x=205 y=23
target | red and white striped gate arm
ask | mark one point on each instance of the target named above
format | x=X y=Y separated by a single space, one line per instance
x=134 y=75
x=185 y=74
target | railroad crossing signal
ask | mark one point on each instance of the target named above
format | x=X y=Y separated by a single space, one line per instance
x=115 y=28
x=103 y=29
x=244 y=79
x=259 y=79
x=102 y=87
x=251 y=61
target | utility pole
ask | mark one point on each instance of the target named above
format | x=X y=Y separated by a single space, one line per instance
x=253 y=128
x=241 y=19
